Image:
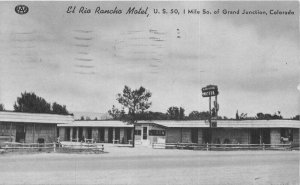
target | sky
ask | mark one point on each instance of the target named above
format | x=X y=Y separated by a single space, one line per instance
x=84 y=60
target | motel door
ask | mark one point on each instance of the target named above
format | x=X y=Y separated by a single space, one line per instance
x=101 y=133
x=260 y=136
x=194 y=135
x=20 y=133
x=89 y=133
x=255 y=136
x=110 y=135
x=265 y=133
x=206 y=135
x=74 y=133
x=145 y=140
x=80 y=131
x=67 y=134
x=117 y=135
x=128 y=133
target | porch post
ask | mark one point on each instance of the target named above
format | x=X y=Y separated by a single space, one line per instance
x=133 y=134
x=71 y=133
x=77 y=134
x=84 y=132
x=181 y=135
x=260 y=136
x=125 y=135
x=122 y=134
x=33 y=132
x=10 y=130
x=55 y=133
x=105 y=134
x=248 y=131
x=114 y=135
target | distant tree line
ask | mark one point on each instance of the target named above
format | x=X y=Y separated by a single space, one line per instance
x=262 y=116
x=297 y=117
x=87 y=118
x=172 y=113
x=259 y=116
x=178 y=113
x=2 y=107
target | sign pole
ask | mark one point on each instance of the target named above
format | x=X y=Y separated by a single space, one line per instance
x=210 y=125
x=209 y=91
x=209 y=110
x=217 y=106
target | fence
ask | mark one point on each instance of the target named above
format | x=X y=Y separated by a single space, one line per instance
x=27 y=147
x=85 y=140
x=207 y=147
x=55 y=147
x=81 y=147
x=14 y=145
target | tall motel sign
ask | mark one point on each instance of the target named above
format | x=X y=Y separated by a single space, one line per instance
x=210 y=91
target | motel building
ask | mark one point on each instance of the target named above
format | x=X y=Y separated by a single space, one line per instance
x=170 y=131
x=34 y=128
x=30 y=127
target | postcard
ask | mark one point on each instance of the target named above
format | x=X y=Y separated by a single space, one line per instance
x=149 y=92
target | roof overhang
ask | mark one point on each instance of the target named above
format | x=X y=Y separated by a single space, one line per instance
x=20 y=117
x=178 y=124
x=100 y=123
x=259 y=124
x=150 y=123
x=191 y=124
x=226 y=123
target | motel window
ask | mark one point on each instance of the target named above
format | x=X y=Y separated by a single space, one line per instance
x=137 y=132
x=157 y=133
x=286 y=134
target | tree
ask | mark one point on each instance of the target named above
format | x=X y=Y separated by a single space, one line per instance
x=243 y=116
x=30 y=102
x=262 y=116
x=2 y=107
x=277 y=115
x=115 y=113
x=181 y=113
x=237 y=115
x=152 y=116
x=59 y=109
x=195 y=115
x=297 y=117
x=175 y=113
x=82 y=118
x=135 y=101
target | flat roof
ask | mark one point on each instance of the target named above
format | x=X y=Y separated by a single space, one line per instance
x=178 y=124
x=227 y=123
x=100 y=123
x=192 y=123
x=21 y=117
x=259 y=123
